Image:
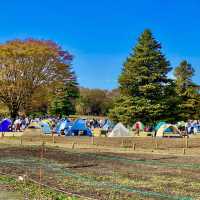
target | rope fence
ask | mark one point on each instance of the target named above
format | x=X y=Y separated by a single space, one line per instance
x=131 y=143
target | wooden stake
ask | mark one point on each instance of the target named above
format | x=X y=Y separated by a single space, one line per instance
x=156 y=144
x=92 y=140
x=53 y=139
x=21 y=140
x=134 y=146
x=184 y=151
x=73 y=145
x=122 y=143
x=186 y=142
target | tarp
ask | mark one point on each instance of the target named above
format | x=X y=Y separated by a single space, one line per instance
x=79 y=126
x=5 y=125
x=163 y=129
x=139 y=124
x=119 y=131
x=46 y=129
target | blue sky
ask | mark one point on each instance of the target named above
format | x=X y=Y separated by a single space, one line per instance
x=101 y=33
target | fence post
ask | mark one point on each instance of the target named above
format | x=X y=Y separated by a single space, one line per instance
x=73 y=145
x=92 y=140
x=156 y=143
x=184 y=150
x=134 y=146
x=53 y=139
x=122 y=144
x=186 y=142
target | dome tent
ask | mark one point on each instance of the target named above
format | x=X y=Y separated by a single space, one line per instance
x=34 y=125
x=46 y=129
x=79 y=125
x=119 y=131
x=5 y=125
x=107 y=125
x=159 y=124
x=63 y=125
x=163 y=129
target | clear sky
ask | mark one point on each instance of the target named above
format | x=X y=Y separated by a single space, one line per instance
x=101 y=33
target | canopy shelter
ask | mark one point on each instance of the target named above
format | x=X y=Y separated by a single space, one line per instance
x=79 y=127
x=119 y=131
x=138 y=125
x=5 y=125
x=164 y=129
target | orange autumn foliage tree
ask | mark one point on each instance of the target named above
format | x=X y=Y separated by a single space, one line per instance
x=25 y=66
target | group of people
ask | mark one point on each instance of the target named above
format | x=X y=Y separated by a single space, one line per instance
x=192 y=126
x=20 y=124
x=95 y=123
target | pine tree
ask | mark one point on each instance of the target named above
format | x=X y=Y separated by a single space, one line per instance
x=187 y=91
x=65 y=96
x=144 y=79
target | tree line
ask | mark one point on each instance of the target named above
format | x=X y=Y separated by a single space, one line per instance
x=36 y=78
x=148 y=94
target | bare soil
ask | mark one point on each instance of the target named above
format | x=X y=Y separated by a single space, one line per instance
x=106 y=175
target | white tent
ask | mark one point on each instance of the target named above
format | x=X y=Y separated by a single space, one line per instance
x=119 y=131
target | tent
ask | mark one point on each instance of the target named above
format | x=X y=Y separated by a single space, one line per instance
x=107 y=125
x=48 y=121
x=119 y=131
x=34 y=125
x=63 y=125
x=181 y=124
x=46 y=129
x=163 y=129
x=79 y=126
x=5 y=125
x=159 y=124
x=139 y=124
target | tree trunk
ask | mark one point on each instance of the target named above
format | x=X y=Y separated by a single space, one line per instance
x=14 y=113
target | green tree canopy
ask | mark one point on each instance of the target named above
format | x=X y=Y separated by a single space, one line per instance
x=25 y=66
x=187 y=91
x=144 y=82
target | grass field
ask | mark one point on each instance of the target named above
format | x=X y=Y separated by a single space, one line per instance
x=101 y=173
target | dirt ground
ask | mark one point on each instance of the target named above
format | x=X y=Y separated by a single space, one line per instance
x=106 y=175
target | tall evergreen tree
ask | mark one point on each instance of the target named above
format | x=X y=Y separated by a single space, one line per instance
x=65 y=96
x=188 y=92
x=144 y=79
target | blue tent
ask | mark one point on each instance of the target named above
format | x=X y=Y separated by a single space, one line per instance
x=5 y=125
x=159 y=124
x=107 y=125
x=168 y=130
x=79 y=125
x=46 y=129
x=63 y=125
